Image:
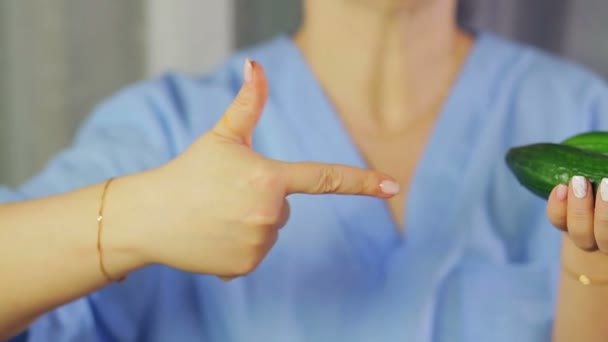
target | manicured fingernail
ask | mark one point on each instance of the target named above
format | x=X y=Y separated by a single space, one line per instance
x=561 y=192
x=604 y=189
x=248 y=70
x=579 y=186
x=389 y=187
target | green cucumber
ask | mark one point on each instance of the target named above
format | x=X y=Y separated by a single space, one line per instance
x=541 y=167
x=590 y=141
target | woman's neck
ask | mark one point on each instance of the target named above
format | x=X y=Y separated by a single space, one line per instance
x=383 y=68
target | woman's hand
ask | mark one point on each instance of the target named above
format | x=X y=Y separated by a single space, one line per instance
x=583 y=295
x=219 y=206
x=216 y=209
x=580 y=213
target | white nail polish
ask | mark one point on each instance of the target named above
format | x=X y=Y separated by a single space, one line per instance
x=390 y=187
x=248 y=71
x=562 y=192
x=579 y=187
x=604 y=189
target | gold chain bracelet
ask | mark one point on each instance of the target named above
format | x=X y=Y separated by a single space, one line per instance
x=100 y=229
x=583 y=278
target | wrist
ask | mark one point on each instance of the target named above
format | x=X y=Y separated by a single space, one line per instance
x=128 y=212
x=592 y=264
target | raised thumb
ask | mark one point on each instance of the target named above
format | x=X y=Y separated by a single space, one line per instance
x=243 y=114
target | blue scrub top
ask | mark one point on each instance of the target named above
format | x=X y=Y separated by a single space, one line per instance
x=479 y=261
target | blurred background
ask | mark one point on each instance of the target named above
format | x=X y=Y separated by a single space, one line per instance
x=60 y=57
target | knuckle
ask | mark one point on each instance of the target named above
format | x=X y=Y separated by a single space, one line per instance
x=553 y=212
x=578 y=217
x=273 y=238
x=584 y=241
x=242 y=102
x=558 y=223
x=602 y=244
x=588 y=247
x=265 y=218
x=266 y=176
x=247 y=264
x=372 y=182
x=253 y=238
x=601 y=236
x=330 y=180
x=557 y=220
x=285 y=213
x=602 y=222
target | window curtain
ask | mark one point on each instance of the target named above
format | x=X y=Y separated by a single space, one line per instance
x=58 y=58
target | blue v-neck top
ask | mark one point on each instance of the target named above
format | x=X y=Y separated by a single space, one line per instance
x=479 y=261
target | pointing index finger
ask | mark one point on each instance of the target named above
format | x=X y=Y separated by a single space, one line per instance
x=320 y=178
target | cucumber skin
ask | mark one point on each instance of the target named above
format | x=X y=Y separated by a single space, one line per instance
x=541 y=167
x=596 y=141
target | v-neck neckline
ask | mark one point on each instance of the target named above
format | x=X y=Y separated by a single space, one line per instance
x=322 y=133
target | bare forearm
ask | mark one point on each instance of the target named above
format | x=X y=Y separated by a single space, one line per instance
x=582 y=312
x=48 y=252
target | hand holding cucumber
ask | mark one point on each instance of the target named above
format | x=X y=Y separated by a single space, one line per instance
x=573 y=177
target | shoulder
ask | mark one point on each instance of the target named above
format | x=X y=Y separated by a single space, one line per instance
x=533 y=65
x=542 y=89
